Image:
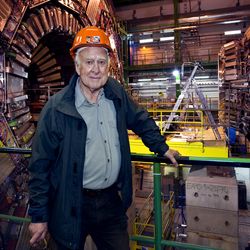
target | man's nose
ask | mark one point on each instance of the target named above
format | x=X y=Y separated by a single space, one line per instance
x=96 y=67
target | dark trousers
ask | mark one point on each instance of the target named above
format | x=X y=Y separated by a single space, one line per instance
x=105 y=220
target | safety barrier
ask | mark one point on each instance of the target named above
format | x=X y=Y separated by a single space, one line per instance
x=143 y=224
x=157 y=241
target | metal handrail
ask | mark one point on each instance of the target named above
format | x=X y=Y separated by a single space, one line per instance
x=182 y=160
x=157 y=241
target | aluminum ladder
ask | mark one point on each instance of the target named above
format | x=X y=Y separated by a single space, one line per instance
x=202 y=98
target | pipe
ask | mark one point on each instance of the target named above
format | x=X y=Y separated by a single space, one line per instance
x=185 y=245
x=15 y=150
x=15 y=218
x=172 y=243
x=177 y=39
x=157 y=205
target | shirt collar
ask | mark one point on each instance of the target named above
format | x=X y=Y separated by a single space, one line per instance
x=80 y=98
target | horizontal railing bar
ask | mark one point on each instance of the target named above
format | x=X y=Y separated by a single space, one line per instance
x=171 y=243
x=191 y=160
x=15 y=150
x=15 y=218
x=186 y=160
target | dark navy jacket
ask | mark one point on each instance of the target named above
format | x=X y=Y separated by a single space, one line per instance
x=58 y=153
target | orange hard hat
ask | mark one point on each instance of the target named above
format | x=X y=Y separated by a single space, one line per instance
x=90 y=36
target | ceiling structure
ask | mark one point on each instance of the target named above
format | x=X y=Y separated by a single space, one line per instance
x=194 y=29
x=207 y=27
x=143 y=16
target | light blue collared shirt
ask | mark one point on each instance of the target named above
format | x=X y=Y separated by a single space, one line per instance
x=102 y=151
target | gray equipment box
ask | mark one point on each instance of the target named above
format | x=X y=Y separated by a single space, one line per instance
x=217 y=192
x=211 y=220
x=222 y=242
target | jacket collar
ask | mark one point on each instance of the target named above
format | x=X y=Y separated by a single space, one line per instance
x=66 y=96
x=111 y=90
x=67 y=100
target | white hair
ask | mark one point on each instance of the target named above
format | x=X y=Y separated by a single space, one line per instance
x=77 y=59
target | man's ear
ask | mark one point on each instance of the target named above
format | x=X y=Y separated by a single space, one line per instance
x=77 y=68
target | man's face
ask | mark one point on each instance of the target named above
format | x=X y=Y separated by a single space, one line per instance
x=93 y=68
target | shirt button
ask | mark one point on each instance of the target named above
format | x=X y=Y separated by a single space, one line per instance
x=101 y=123
x=105 y=141
x=108 y=160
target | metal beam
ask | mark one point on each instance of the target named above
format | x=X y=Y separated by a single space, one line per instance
x=185 y=160
x=201 y=161
x=225 y=13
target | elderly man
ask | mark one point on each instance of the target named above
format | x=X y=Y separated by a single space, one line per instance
x=81 y=178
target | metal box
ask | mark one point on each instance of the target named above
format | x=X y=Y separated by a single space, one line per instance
x=213 y=240
x=211 y=191
x=220 y=222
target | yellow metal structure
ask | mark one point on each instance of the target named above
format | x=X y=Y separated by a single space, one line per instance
x=143 y=222
x=192 y=139
x=198 y=149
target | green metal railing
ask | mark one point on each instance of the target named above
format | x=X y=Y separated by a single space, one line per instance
x=157 y=241
x=185 y=160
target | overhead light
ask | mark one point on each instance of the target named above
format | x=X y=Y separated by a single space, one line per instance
x=147 y=33
x=149 y=40
x=176 y=72
x=232 y=32
x=157 y=84
x=201 y=77
x=144 y=80
x=185 y=27
x=204 y=17
x=168 y=38
x=232 y=21
x=160 y=79
x=167 y=31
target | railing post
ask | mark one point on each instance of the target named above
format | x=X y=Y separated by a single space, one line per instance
x=157 y=205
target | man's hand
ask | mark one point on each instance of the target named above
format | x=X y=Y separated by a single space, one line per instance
x=38 y=232
x=172 y=155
